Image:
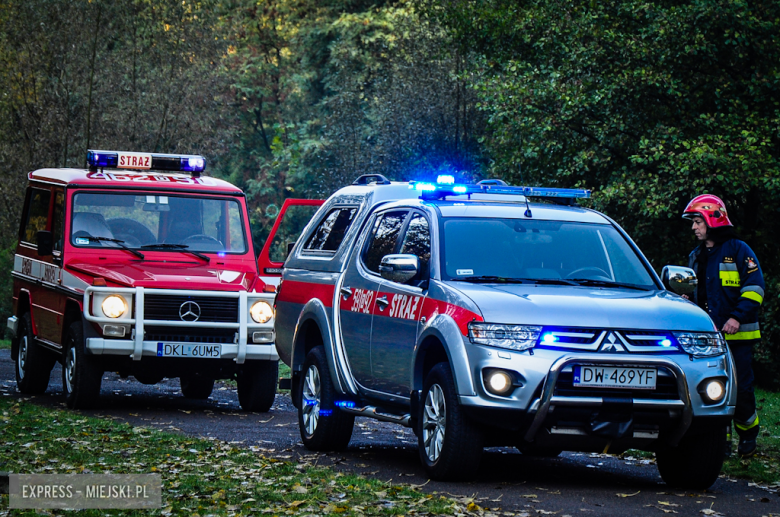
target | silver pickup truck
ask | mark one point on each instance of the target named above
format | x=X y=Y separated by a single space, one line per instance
x=478 y=318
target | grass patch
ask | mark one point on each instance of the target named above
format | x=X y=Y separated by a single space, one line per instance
x=5 y=343
x=764 y=467
x=200 y=477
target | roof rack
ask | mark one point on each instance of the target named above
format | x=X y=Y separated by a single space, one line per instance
x=368 y=179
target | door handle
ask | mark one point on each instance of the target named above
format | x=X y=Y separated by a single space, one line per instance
x=382 y=302
x=346 y=292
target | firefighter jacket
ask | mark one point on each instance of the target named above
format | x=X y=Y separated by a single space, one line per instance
x=734 y=284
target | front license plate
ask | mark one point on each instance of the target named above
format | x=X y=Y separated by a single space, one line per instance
x=188 y=350
x=615 y=377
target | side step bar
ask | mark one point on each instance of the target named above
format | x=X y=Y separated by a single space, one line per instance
x=378 y=414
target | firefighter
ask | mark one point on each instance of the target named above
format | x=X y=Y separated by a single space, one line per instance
x=731 y=290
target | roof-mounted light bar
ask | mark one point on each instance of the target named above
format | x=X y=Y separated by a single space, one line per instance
x=448 y=187
x=191 y=163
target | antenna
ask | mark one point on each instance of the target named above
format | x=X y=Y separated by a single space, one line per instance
x=527 y=205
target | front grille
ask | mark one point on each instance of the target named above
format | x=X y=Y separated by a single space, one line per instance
x=573 y=335
x=665 y=388
x=189 y=335
x=214 y=309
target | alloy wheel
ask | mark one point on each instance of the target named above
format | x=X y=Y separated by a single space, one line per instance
x=434 y=422
x=311 y=400
x=22 y=360
x=70 y=369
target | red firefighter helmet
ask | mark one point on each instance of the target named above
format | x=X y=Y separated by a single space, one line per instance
x=710 y=208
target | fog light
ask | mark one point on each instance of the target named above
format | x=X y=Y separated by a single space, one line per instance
x=114 y=330
x=263 y=337
x=715 y=390
x=498 y=382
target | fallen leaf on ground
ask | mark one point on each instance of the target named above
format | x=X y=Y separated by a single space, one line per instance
x=628 y=495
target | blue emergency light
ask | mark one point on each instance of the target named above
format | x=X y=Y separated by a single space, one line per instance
x=191 y=163
x=446 y=186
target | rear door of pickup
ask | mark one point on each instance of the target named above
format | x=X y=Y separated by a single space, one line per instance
x=293 y=217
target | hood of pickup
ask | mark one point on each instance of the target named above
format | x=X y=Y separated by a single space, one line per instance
x=574 y=306
x=168 y=275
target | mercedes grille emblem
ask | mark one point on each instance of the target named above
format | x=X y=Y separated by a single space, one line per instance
x=189 y=311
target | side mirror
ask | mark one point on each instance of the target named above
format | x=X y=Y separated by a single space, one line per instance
x=45 y=243
x=681 y=280
x=399 y=268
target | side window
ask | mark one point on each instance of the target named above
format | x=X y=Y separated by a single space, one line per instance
x=417 y=241
x=331 y=230
x=383 y=238
x=58 y=217
x=37 y=214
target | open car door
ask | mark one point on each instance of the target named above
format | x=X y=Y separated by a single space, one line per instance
x=293 y=217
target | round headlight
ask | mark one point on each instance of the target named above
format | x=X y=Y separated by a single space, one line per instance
x=498 y=382
x=114 y=306
x=715 y=390
x=261 y=312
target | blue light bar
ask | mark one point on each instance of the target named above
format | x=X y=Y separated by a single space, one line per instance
x=191 y=163
x=442 y=190
x=445 y=179
x=344 y=403
x=665 y=342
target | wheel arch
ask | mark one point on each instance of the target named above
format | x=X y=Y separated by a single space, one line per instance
x=442 y=341
x=23 y=306
x=312 y=330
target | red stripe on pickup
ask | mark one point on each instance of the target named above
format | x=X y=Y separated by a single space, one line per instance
x=301 y=292
x=461 y=316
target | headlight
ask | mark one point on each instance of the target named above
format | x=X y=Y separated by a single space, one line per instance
x=700 y=344
x=261 y=312
x=513 y=337
x=114 y=306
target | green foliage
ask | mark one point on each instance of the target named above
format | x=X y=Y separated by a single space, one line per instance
x=332 y=90
x=649 y=104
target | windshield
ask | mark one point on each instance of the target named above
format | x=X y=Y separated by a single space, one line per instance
x=135 y=221
x=545 y=250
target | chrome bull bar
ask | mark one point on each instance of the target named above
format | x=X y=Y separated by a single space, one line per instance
x=548 y=400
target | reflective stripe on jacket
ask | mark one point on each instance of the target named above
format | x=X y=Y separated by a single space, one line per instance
x=735 y=286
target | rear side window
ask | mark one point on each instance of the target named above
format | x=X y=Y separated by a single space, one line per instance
x=384 y=238
x=331 y=231
x=37 y=215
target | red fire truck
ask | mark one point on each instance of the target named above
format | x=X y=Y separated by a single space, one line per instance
x=141 y=265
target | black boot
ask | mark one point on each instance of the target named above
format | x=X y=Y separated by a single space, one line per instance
x=748 y=442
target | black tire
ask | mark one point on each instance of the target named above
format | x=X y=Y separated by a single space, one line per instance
x=450 y=445
x=324 y=427
x=81 y=372
x=33 y=362
x=197 y=388
x=696 y=462
x=257 y=385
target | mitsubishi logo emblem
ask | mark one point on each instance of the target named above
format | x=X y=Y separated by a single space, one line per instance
x=611 y=344
x=189 y=311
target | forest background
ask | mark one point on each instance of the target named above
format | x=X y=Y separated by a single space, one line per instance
x=647 y=103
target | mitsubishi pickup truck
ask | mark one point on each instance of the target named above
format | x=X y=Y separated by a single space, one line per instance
x=479 y=318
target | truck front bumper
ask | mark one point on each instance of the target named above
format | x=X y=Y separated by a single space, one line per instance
x=126 y=347
x=134 y=322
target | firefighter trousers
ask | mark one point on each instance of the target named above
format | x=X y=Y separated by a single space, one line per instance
x=745 y=416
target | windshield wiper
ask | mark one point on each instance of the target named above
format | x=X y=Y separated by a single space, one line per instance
x=607 y=283
x=175 y=247
x=121 y=244
x=510 y=280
